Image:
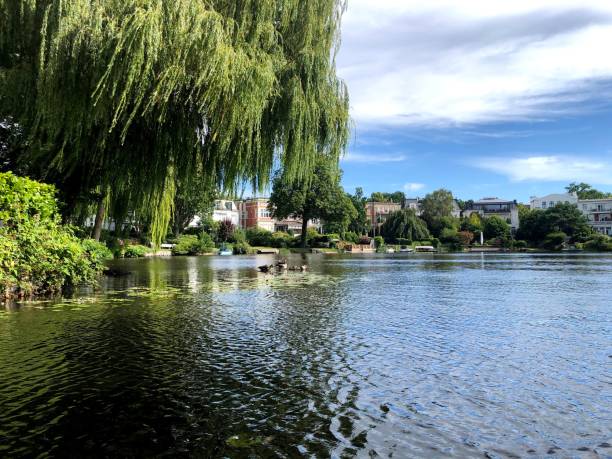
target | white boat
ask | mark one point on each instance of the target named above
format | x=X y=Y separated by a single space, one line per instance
x=224 y=251
x=390 y=250
x=406 y=249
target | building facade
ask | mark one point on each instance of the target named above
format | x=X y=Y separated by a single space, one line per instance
x=488 y=207
x=254 y=213
x=223 y=209
x=378 y=212
x=551 y=200
x=598 y=212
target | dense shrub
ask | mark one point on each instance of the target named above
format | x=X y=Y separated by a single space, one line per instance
x=600 y=243
x=97 y=251
x=258 y=237
x=135 y=251
x=519 y=244
x=496 y=228
x=465 y=237
x=351 y=236
x=188 y=244
x=311 y=234
x=281 y=240
x=237 y=236
x=554 y=241
x=38 y=255
x=379 y=241
x=242 y=248
x=225 y=231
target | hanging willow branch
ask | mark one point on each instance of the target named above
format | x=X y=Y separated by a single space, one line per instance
x=133 y=95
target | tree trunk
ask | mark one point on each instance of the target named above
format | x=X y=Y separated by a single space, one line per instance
x=97 y=229
x=304 y=230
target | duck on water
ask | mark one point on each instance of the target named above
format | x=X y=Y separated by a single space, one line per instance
x=281 y=265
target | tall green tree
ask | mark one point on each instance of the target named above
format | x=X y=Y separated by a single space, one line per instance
x=496 y=227
x=397 y=197
x=123 y=99
x=319 y=196
x=194 y=196
x=404 y=224
x=436 y=210
x=360 y=223
x=565 y=218
x=586 y=191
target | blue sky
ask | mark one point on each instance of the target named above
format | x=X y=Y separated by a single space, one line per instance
x=485 y=98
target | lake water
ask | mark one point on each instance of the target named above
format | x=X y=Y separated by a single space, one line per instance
x=480 y=355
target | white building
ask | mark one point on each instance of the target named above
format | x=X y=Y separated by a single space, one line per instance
x=551 y=200
x=223 y=210
x=503 y=208
x=599 y=214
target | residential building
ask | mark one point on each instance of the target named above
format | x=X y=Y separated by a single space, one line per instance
x=551 y=200
x=223 y=209
x=599 y=214
x=254 y=212
x=414 y=204
x=487 y=207
x=226 y=210
x=378 y=212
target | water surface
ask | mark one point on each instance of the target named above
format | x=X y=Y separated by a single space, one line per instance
x=478 y=355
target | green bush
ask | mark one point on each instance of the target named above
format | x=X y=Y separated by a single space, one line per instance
x=242 y=248
x=97 y=251
x=281 y=240
x=311 y=234
x=135 y=251
x=519 y=244
x=599 y=243
x=554 y=241
x=237 y=236
x=259 y=237
x=186 y=244
x=350 y=236
x=39 y=256
x=378 y=241
x=496 y=228
x=189 y=244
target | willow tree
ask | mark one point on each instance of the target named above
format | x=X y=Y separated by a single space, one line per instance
x=405 y=224
x=120 y=99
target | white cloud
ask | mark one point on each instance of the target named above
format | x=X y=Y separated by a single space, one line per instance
x=550 y=168
x=415 y=62
x=414 y=186
x=373 y=158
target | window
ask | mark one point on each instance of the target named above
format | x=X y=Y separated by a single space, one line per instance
x=584 y=207
x=264 y=213
x=543 y=204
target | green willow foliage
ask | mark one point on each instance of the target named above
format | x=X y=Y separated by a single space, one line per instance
x=404 y=224
x=124 y=97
